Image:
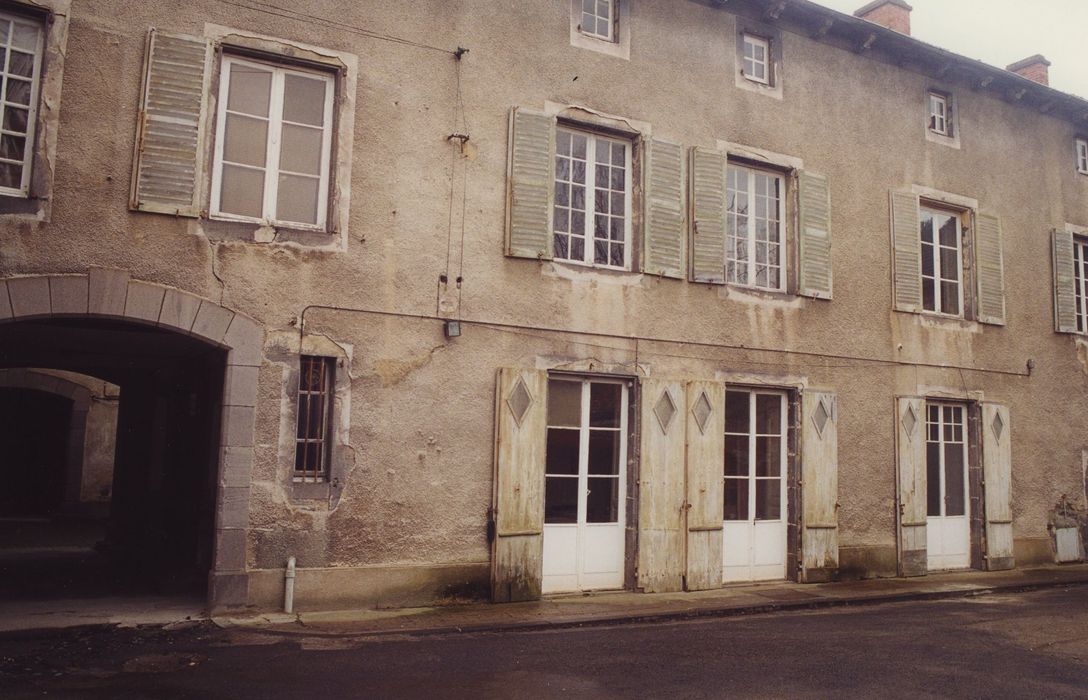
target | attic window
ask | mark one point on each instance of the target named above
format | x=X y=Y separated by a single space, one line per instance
x=757 y=58
x=940 y=113
x=1082 y=156
x=599 y=19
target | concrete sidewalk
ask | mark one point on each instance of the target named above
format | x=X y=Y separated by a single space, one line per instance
x=626 y=607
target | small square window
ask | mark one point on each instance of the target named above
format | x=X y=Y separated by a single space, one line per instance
x=315 y=384
x=599 y=19
x=591 y=221
x=1082 y=156
x=21 y=42
x=273 y=144
x=940 y=113
x=757 y=59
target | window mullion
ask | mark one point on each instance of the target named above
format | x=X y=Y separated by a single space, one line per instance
x=751 y=233
x=588 y=254
x=275 y=135
x=583 y=456
x=752 y=457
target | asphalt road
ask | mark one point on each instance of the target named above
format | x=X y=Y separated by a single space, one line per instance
x=1021 y=645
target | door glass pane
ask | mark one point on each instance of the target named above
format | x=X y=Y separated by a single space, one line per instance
x=768 y=414
x=736 y=412
x=604 y=451
x=564 y=403
x=602 y=500
x=768 y=456
x=562 y=453
x=933 y=479
x=736 y=499
x=768 y=499
x=250 y=88
x=736 y=455
x=297 y=198
x=243 y=191
x=560 y=499
x=955 y=502
x=303 y=99
x=604 y=405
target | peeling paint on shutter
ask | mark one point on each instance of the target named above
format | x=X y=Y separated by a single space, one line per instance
x=990 y=270
x=665 y=230
x=169 y=161
x=907 y=251
x=704 y=415
x=661 y=487
x=997 y=474
x=819 y=487
x=521 y=404
x=910 y=423
x=530 y=183
x=1065 y=304
x=815 y=235
x=708 y=216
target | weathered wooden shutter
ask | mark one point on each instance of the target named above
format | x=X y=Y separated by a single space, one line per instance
x=171 y=133
x=990 y=269
x=997 y=474
x=907 y=251
x=661 y=537
x=815 y=235
x=531 y=185
x=1065 y=301
x=664 y=196
x=705 y=418
x=911 y=467
x=708 y=216
x=521 y=404
x=820 y=487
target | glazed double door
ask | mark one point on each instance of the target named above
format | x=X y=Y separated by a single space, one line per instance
x=948 y=526
x=585 y=485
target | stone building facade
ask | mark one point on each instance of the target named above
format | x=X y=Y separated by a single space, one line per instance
x=472 y=300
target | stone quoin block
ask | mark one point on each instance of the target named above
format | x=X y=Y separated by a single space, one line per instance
x=5 y=301
x=179 y=310
x=230 y=549
x=68 y=294
x=238 y=424
x=233 y=508
x=245 y=338
x=240 y=386
x=229 y=590
x=212 y=322
x=237 y=466
x=29 y=296
x=144 y=301
x=107 y=292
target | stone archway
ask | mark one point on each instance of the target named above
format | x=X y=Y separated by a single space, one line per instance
x=80 y=396
x=112 y=294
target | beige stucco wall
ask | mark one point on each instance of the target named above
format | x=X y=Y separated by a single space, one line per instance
x=419 y=484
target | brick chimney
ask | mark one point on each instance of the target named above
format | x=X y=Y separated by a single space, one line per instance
x=893 y=14
x=1035 y=68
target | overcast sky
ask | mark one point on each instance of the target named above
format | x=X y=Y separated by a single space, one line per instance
x=1000 y=32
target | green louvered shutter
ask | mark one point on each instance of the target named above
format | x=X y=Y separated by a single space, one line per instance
x=990 y=270
x=664 y=195
x=170 y=141
x=708 y=210
x=907 y=251
x=1065 y=301
x=532 y=154
x=815 y=235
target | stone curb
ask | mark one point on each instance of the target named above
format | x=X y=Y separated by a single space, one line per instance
x=659 y=617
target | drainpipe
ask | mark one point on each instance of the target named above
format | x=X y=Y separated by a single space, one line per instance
x=289 y=587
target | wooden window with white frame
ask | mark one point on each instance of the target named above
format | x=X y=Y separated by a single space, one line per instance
x=757 y=59
x=941 y=232
x=273 y=144
x=1080 y=281
x=313 y=418
x=940 y=113
x=755 y=253
x=592 y=213
x=22 y=41
x=1082 y=156
x=599 y=19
